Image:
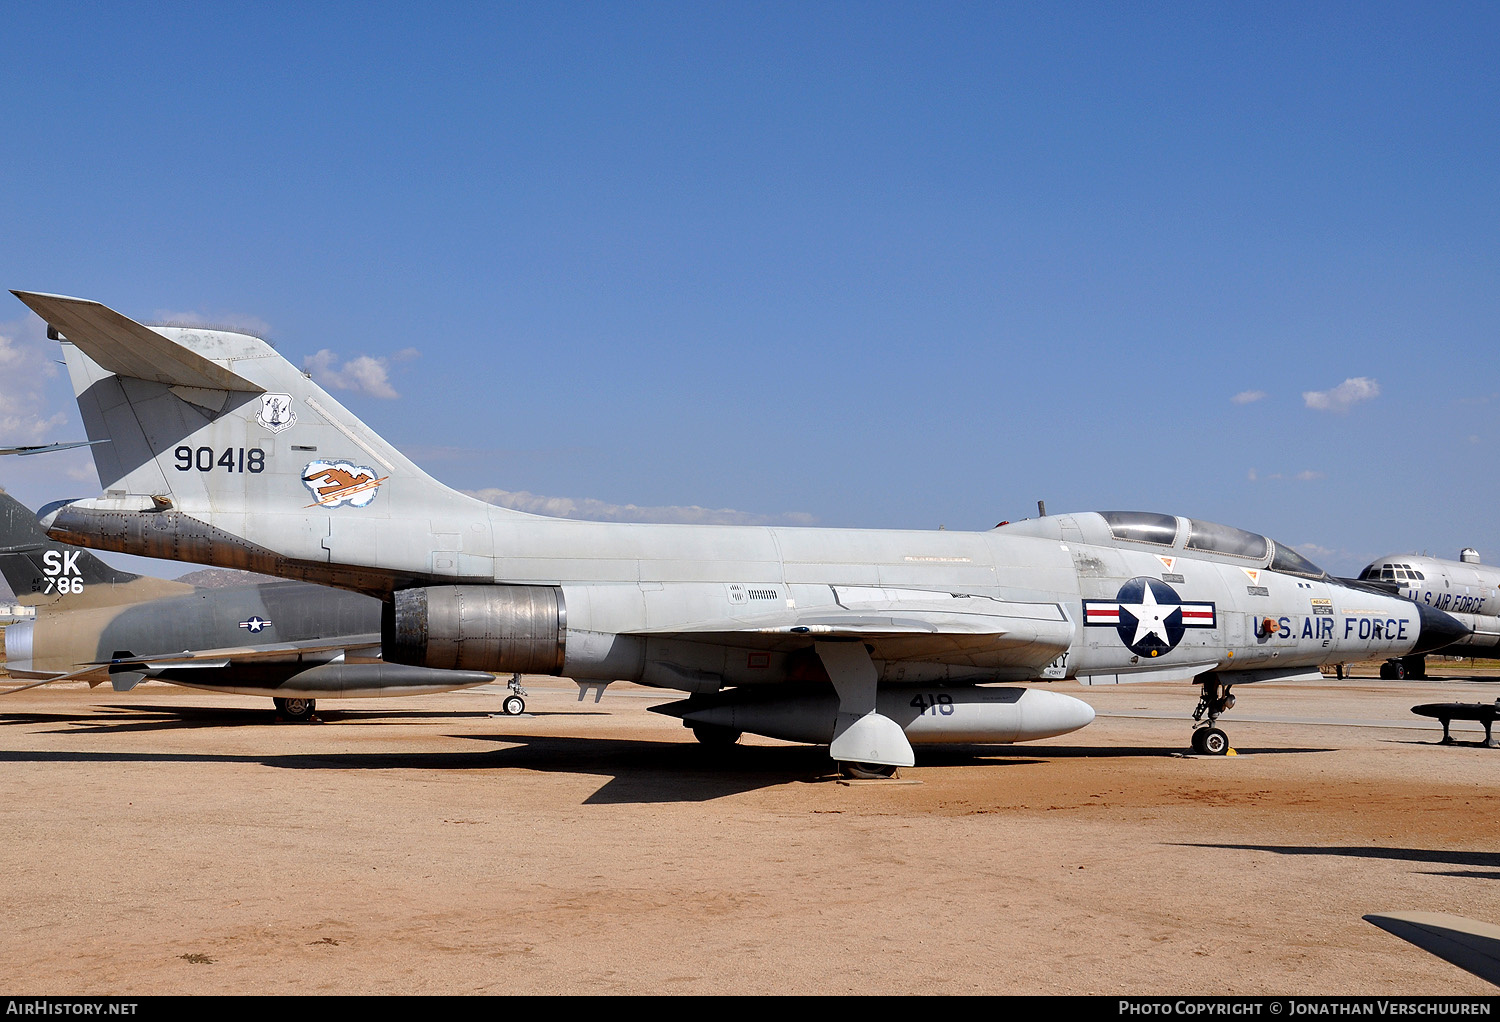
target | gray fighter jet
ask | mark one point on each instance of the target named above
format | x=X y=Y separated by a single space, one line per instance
x=1465 y=588
x=291 y=641
x=224 y=453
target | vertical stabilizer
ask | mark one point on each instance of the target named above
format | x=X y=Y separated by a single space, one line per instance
x=45 y=573
x=222 y=452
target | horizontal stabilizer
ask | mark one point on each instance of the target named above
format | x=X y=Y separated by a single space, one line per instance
x=47 y=448
x=127 y=348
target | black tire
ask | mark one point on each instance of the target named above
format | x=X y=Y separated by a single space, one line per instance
x=513 y=706
x=716 y=737
x=1198 y=740
x=296 y=709
x=1215 y=742
x=869 y=771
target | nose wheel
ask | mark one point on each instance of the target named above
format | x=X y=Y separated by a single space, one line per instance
x=1210 y=741
x=1214 y=700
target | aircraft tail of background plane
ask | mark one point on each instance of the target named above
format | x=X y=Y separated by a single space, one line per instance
x=236 y=457
x=42 y=572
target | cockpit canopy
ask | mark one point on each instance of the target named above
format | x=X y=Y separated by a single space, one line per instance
x=1188 y=534
x=1391 y=571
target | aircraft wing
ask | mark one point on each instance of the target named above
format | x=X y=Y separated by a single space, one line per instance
x=242 y=654
x=1470 y=945
x=90 y=669
x=360 y=645
x=977 y=628
x=127 y=348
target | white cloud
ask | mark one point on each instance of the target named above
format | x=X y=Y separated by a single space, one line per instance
x=24 y=368
x=589 y=509
x=1306 y=475
x=1340 y=398
x=1245 y=397
x=363 y=373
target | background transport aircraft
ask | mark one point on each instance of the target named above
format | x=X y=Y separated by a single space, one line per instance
x=1465 y=588
x=291 y=641
x=224 y=453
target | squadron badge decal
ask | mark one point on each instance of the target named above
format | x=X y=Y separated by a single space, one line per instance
x=1148 y=615
x=336 y=483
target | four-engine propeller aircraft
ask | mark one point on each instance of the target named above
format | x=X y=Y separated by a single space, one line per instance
x=291 y=641
x=224 y=453
x=1465 y=589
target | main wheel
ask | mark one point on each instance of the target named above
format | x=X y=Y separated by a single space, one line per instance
x=1215 y=742
x=295 y=709
x=513 y=706
x=716 y=737
x=1198 y=740
x=868 y=771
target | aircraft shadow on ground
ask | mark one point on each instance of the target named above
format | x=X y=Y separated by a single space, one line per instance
x=636 y=770
x=158 y=718
x=1490 y=860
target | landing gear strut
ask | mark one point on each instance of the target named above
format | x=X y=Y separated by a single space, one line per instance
x=1215 y=699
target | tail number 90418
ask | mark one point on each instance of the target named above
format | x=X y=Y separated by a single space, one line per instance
x=233 y=459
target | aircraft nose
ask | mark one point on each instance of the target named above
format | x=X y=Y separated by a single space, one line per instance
x=1438 y=630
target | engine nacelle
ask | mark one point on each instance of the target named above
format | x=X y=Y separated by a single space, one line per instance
x=504 y=629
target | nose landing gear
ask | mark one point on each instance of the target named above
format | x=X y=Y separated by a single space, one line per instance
x=1215 y=699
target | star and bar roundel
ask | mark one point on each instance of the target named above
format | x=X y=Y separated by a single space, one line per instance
x=1148 y=615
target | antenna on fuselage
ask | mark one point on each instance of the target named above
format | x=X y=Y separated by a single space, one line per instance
x=1041 y=508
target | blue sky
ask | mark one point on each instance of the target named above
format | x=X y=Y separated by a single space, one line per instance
x=875 y=265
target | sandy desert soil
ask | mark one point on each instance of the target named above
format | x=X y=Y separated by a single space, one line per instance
x=171 y=842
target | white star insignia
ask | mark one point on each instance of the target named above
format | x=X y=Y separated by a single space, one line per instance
x=1150 y=617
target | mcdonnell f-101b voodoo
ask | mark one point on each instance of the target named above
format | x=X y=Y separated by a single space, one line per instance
x=223 y=453
x=291 y=641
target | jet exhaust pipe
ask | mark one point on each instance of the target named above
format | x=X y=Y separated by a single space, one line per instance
x=504 y=629
x=928 y=715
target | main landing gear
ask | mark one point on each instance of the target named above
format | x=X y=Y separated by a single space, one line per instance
x=515 y=703
x=1216 y=699
x=1404 y=667
x=296 y=710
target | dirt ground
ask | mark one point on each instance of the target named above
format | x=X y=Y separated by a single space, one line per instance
x=165 y=841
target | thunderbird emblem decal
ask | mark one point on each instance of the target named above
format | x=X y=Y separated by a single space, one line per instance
x=336 y=483
x=1148 y=615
